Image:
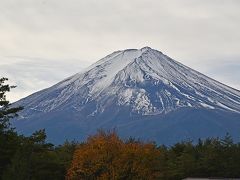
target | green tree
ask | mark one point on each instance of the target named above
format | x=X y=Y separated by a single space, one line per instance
x=36 y=159
x=9 y=139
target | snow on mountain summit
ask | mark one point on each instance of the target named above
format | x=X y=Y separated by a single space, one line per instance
x=144 y=80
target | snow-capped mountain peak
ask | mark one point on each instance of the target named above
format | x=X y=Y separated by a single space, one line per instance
x=143 y=80
x=140 y=92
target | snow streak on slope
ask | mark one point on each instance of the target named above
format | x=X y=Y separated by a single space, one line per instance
x=145 y=81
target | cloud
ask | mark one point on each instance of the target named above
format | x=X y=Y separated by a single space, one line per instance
x=33 y=74
x=75 y=28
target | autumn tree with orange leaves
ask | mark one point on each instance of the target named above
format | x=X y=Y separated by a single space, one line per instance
x=106 y=156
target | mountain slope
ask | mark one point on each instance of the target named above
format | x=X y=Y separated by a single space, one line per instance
x=135 y=91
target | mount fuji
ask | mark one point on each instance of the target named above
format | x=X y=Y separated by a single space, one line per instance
x=139 y=92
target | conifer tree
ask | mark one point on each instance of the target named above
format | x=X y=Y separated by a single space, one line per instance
x=8 y=137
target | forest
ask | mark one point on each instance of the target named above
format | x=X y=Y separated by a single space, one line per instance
x=106 y=156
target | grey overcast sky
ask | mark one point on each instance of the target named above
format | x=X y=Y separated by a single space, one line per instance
x=44 y=41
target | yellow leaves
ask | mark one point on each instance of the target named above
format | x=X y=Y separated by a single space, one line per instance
x=106 y=156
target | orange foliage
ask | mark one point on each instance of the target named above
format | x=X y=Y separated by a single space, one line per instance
x=106 y=156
